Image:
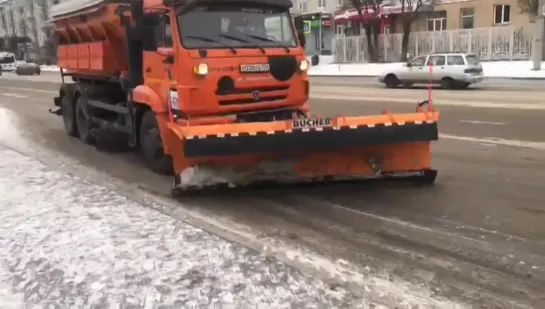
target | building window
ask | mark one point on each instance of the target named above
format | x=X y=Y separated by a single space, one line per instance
x=502 y=14
x=437 y=21
x=321 y=4
x=339 y=30
x=467 y=18
x=302 y=5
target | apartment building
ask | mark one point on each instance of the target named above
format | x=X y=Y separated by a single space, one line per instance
x=319 y=15
x=24 y=18
x=468 y=14
x=437 y=15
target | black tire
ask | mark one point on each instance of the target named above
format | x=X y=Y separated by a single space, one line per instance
x=391 y=81
x=448 y=83
x=151 y=146
x=407 y=85
x=69 y=115
x=464 y=85
x=83 y=122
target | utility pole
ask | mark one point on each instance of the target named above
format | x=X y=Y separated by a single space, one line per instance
x=539 y=36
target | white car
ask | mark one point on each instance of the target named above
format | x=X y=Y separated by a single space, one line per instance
x=8 y=61
x=450 y=70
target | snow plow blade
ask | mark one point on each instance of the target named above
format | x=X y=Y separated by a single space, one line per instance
x=310 y=149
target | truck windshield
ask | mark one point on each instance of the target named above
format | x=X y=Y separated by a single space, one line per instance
x=235 y=27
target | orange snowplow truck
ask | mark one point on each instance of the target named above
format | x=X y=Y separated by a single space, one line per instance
x=218 y=91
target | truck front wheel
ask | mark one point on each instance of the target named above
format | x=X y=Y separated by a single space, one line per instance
x=151 y=145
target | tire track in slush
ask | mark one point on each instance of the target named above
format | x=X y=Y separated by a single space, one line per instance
x=356 y=239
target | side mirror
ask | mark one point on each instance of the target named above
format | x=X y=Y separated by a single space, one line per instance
x=146 y=32
x=302 y=39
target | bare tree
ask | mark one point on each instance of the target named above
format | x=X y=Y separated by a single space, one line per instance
x=530 y=7
x=34 y=26
x=410 y=11
x=12 y=19
x=371 y=25
x=48 y=47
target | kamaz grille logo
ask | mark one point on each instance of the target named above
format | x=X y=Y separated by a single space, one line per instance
x=255 y=68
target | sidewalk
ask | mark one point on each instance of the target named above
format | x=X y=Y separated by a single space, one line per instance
x=66 y=242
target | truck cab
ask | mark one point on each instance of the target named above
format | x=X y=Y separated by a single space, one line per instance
x=224 y=59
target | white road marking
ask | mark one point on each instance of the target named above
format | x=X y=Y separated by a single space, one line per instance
x=494 y=123
x=15 y=95
x=29 y=89
x=377 y=98
x=496 y=141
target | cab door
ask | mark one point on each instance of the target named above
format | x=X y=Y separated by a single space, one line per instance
x=158 y=65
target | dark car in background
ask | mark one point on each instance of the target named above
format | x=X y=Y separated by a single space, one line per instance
x=27 y=68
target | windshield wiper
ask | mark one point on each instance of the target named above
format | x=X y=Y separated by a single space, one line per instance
x=262 y=38
x=232 y=37
x=211 y=40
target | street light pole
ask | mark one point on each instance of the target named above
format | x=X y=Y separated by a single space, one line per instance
x=539 y=35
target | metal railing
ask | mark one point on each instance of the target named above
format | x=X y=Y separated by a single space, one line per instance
x=496 y=43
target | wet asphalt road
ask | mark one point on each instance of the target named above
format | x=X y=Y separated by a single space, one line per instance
x=477 y=236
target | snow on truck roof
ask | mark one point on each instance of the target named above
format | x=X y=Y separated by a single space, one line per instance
x=72 y=6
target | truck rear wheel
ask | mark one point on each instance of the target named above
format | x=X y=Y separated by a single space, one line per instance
x=69 y=116
x=151 y=145
x=82 y=121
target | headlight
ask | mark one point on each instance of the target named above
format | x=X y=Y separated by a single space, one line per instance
x=303 y=66
x=201 y=69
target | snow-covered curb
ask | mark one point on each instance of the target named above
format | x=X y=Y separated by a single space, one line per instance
x=493 y=69
x=49 y=68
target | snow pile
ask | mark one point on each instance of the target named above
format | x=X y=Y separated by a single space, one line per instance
x=494 y=69
x=50 y=68
x=65 y=242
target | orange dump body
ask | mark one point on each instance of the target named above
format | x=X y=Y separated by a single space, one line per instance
x=91 y=42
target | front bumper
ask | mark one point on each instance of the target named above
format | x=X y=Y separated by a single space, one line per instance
x=316 y=139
